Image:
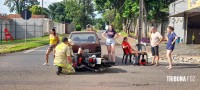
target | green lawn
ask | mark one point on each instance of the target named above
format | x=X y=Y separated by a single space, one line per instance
x=124 y=34
x=19 y=45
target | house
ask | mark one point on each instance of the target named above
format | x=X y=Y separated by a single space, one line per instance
x=185 y=18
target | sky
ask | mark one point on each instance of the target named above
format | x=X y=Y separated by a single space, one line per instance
x=46 y=3
x=5 y=9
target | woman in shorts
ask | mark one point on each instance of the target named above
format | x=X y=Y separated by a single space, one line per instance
x=54 y=40
x=171 y=39
x=110 y=35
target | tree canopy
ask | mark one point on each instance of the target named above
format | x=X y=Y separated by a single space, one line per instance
x=121 y=13
x=80 y=12
x=126 y=12
x=19 y=5
x=38 y=10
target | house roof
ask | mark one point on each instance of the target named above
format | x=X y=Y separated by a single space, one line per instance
x=19 y=16
x=4 y=17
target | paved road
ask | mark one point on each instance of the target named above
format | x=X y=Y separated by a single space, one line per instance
x=24 y=71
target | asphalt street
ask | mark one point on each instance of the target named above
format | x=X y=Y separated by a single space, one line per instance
x=24 y=71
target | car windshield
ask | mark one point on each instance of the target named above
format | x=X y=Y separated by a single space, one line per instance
x=84 y=38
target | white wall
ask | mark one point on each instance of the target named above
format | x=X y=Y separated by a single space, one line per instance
x=177 y=7
x=36 y=27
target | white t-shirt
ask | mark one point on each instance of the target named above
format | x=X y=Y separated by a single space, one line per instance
x=155 y=38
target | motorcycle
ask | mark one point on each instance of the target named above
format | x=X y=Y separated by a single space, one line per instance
x=90 y=62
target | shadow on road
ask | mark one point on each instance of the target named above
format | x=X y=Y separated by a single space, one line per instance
x=182 y=66
x=106 y=71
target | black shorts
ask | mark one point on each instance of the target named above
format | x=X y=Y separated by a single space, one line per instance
x=155 y=51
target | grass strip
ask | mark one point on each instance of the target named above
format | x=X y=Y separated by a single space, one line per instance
x=20 y=45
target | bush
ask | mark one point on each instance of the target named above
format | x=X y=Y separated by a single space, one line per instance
x=78 y=27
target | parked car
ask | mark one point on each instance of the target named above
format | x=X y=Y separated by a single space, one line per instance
x=91 y=58
x=87 y=40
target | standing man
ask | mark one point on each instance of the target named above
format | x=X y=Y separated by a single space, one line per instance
x=156 y=39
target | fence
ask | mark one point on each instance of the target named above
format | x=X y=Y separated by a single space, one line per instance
x=33 y=27
x=17 y=29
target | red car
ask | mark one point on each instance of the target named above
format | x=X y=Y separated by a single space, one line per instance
x=88 y=40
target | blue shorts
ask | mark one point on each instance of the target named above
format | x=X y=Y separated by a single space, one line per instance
x=110 y=41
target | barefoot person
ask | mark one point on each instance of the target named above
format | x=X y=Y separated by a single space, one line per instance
x=110 y=35
x=156 y=39
x=63 y=59
x=54 y=40
x=171 y=38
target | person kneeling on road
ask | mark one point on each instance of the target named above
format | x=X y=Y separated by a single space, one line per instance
x=63 y=58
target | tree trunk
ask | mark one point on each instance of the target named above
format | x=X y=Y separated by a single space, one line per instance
x=127 y=21
x=161 y=27
x=137 y=27
x=17 y=7
x=145 y=21
x=124 y=25
x=128 y=28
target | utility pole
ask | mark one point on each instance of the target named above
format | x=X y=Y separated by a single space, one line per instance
x=140 y=21
x=42 y=18
x=1 y=30
x=25 y=19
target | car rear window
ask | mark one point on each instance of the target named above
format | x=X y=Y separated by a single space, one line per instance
x=84 y=38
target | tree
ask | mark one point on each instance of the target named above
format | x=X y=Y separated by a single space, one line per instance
x=155 y=10
x=109 y=16
x=57 y=12
x=118 y=22
x=158 y=11
x=37 y=10
x=102 y=5
x=19 y=5
x=99 y=24
x=130 y=14
x=80 y=12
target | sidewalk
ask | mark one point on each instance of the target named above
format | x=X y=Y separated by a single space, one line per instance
x=182 y=53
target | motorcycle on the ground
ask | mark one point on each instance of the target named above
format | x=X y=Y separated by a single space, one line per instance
x=90 y=62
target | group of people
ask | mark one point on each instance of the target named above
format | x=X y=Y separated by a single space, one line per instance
x=155 y=39
x=63 y=52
